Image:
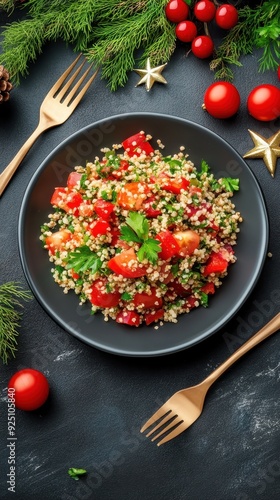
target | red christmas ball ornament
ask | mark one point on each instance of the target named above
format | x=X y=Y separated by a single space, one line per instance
x=226 y=16
x=28 y=389
x=263 y=102
x=204 y=11
x=176 y=11
x=221 y=100
x=186 y=31
x=202 y=46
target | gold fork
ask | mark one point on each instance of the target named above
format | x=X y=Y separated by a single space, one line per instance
x=185 y=406
x=54 y=111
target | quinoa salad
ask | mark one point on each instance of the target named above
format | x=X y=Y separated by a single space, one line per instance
x=141 y=236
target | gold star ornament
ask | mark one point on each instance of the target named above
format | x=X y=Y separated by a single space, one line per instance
x=150 y=75
x=267 y=149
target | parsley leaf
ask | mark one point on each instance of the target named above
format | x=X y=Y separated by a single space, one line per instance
x=149 y=250
x=137 y=229
x=126 y=296
x=230 y=184
x=83 y=259
x=139 y=224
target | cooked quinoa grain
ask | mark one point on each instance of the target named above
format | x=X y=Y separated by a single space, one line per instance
x=142 y=236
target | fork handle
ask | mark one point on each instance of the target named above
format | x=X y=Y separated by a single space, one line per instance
x=271 y=327
x=9 y=171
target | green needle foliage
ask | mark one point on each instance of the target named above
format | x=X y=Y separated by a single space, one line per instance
x=257 y=27
x=119 y=35
x=108 y=32
x=11 y=295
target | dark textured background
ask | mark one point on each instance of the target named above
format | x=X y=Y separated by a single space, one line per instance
x=99 y=401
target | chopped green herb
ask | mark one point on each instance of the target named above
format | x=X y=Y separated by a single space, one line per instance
x=230 y=184
x=137 y=230
x=76 y=473
x=126 y=296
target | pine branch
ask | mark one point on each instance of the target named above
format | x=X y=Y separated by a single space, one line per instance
x=258 y=27
x=11 y=295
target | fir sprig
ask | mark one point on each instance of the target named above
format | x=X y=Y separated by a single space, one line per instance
x=11 y=295
x=257 y=27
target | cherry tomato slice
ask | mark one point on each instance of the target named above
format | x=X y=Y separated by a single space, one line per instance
x=73 y=179
x=208 y=288
x=130 y=318
x=150 y=207
x=56 y=241
x=101 y=298
x=188 y=241
x=30 y=389
x=127 y=265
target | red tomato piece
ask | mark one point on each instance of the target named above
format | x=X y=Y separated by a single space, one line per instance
x=132 y=195
x=149 y=301
x=30 y=389
x=104 y=208
x=191 y=302
x=86 y=209
x=169 y=246
x=58 y=196
x=149 y=207
x=130 y=318
x=153 y=316
x=122 y=168
x=216 y=263
x=73 y=179
x=137 y=142
x=57 y=241
x=208 y=288
x=176 y=185
x=127 y=265
x=188 y=241
x=179 y=289
x=100 y=298
x=73 y=199
x=99 y=228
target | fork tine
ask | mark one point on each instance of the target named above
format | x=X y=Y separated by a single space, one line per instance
x=175 y=422
x=69 y=82
x=77 y=99
x=178 y=430
x=62 y=78
x=161 y=412
x=169 y=416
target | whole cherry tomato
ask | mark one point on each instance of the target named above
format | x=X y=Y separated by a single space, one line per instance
x=202 y=46
x=226 y=16
x=263 y=102
x=31 y=389
x=186 y=31
x=221 y=100
x=176 y=11
x=204 y=11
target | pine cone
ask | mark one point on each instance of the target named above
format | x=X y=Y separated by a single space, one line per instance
x=5 y=84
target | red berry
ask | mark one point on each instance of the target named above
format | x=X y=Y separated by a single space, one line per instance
x=226 y=16
x=263 y=102
x=202 y=46
x=204 y=11
x=176 y=11
x=221 y=100
x=186 y=31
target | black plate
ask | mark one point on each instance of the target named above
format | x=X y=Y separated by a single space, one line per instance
x=191 y=328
